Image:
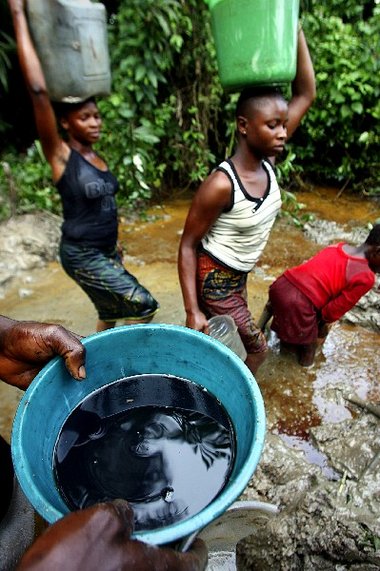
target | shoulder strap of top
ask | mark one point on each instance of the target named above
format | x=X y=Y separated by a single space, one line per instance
x=270 y=166
x=226 y=167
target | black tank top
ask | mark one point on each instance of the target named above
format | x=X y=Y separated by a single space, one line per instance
x=89 y=206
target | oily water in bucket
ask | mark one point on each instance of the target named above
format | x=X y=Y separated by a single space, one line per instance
x=129 y=440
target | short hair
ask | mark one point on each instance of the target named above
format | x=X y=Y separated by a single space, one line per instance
x=62 y=109
x=256 y=95
x=373 y=238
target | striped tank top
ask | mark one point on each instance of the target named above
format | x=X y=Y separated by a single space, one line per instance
x=239 y=236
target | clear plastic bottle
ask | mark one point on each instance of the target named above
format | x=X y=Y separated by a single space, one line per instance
x=223 y=328
x=71 y=41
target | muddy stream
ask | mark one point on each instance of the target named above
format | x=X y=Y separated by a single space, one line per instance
x=320 y=462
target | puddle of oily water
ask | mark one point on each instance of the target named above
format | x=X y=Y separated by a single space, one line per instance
x=168 y=461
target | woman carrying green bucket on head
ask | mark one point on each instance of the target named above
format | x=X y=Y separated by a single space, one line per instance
x=234 y=209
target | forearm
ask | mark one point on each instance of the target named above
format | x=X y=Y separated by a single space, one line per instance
x=304 y=81
x=187 y=270
x=303 y=86
x=29 y=61
x=52 y=144
x=5 y=324
x=342 y=303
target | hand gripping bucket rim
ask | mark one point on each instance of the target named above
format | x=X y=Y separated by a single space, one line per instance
x=127 y=351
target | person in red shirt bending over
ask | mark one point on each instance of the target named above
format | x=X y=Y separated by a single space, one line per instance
x=307 y=298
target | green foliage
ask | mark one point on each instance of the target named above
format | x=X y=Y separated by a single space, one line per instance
x=168 y=120
x=165 y=95
x=143 y=37
x=166 y=79
x=341 y=142
x=25 y=185
x=287 y=168
x=195 y=97
x=370 y=540
x=293 y=209
x=6 y=46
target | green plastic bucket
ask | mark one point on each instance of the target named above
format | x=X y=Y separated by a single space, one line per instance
x=255 y=40
x=123 y=352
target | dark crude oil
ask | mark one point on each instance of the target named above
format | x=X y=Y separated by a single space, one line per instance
x=163 y=443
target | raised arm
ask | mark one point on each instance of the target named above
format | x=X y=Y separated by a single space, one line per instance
x=54 y=148
x=347 y=298
x=211 y=198
x=303 y=86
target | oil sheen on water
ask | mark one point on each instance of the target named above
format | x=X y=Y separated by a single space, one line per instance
x=164 y=444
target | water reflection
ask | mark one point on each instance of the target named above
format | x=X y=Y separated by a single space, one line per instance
x=298 y=399
x=350 y=366
x=169 y=463
x=312 y=455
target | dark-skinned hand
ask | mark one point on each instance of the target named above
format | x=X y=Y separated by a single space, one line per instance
x=26 y=346
x=98 y=538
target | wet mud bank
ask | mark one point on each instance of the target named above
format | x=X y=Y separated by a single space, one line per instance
x=320 y=462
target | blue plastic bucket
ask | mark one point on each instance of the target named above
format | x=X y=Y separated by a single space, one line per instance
x=128 y=351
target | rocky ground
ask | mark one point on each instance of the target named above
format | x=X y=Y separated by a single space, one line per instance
x=328 y=519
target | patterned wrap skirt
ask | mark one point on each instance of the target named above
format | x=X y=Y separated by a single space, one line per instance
x=115 y=292
x=221 y=291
